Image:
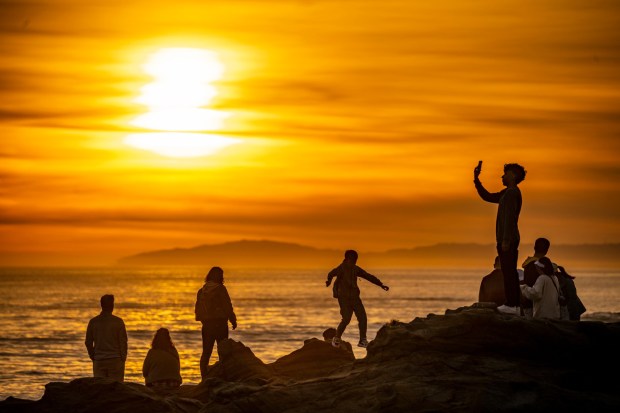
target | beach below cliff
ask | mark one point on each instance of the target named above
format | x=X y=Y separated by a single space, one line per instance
x=469 y=359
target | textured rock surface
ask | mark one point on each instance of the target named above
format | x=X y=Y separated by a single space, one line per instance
x=471 y=359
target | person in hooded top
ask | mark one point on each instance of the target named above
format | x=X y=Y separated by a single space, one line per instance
x=162 y=368
x=545 y=292
x=348 y=294
x=573 y=304
x=530 y=272
x=213 y=309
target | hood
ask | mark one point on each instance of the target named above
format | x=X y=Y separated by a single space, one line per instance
x=210 y=287
x=529 y=260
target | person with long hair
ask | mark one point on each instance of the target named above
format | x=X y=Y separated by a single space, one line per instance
x=545 y=293
x=213 y=309
x=162 y=366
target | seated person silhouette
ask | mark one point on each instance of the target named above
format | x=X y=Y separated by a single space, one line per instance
x=492 y=286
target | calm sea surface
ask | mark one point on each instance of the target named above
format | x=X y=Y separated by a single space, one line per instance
x=44 y=313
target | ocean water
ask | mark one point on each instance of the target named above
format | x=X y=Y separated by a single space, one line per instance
x=44 y=313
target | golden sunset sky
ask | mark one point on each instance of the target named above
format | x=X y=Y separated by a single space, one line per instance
x=349 y=124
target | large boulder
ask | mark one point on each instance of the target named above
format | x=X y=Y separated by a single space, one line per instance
x=317 y=358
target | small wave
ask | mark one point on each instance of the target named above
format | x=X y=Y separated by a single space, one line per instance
x=37 y=339
x=608 y=317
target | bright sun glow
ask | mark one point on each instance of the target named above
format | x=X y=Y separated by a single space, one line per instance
x=179 y=145
x=182 y=86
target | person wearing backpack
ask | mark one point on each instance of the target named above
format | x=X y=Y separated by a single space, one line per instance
x=213 y=309
x=348 y=294
x=574 y=306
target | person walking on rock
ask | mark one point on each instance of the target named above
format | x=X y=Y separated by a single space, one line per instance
x=213 y=309
x=348 y=294
x=506 y=229
x=106 y=342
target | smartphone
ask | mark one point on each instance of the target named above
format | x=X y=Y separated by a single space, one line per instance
x=479 y=167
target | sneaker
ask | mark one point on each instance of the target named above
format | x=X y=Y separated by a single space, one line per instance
x=363 y=343
x=509 y=310
x=336 y=342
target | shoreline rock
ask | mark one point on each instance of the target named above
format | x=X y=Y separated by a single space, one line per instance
x=470 y=359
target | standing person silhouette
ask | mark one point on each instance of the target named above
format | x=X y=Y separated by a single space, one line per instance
x=348 y=294
x=506 y=229
x=213 y=309
x=106 y=342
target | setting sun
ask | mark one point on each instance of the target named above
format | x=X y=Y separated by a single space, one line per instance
x=181 y=87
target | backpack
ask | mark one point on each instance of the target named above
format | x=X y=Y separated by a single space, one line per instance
x=200 y=309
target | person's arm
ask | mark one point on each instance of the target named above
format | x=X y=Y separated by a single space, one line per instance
x=481 y=294
x=146 y=366
x=122 y=338
x=90 y=340
x=333 y=273
x=492 y=197
x=534 y=293
x=371 y=278
x=229 y=309
x=510 y=218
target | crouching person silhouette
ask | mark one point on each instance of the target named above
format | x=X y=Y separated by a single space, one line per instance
x=213 y=309
x=348 y=294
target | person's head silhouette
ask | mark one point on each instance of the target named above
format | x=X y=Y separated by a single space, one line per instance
x=216 y=274
x=541 y=246
x=351 y=256
x=107 y=303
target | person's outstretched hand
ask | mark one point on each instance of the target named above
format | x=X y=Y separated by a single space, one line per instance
x=385 y=287
x=327 y=283
x=477 y=170
x=234 y=325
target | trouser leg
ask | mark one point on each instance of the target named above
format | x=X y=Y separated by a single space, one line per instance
x=207 y=348
x=360 y=314
x=220 y=333
x=508 y=261
x=110 y=368
x=346 y=311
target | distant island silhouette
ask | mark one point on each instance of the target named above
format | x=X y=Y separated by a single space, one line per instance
x=274 y=254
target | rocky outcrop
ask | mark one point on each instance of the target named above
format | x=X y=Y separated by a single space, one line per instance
x=470 y=359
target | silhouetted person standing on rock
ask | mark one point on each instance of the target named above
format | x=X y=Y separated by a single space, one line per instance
x=348 y=294
x=106 y=342
x=492 y=286
x=213 y=309
x=506 y=229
